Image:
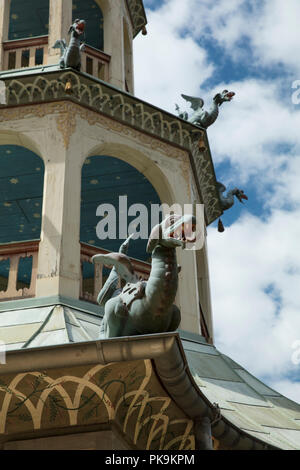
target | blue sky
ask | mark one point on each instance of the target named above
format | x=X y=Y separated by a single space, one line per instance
x=199 y=47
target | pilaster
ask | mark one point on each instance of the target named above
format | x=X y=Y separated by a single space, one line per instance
x=204 y=287
x=60 y=19
x=4 y=26
x=114 y=44
x=59 y=250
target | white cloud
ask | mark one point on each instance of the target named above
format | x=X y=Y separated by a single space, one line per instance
x=167 y=64
x=253 y=124
x=255 y=271
x=271 y=29
x=255 y=263
x=276 y=35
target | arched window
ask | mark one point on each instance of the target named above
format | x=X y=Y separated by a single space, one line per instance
x=104 y=180
x=28 y=18
x=21 y=198
x=90 y=11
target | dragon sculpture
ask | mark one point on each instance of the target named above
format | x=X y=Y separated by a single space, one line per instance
x=200 y=117
x=70 y=55
x=144 y=307
x=228 y=200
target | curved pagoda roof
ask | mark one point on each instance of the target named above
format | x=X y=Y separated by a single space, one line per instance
x=200 y=380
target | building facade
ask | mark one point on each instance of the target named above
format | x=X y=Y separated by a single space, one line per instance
x=71 y=141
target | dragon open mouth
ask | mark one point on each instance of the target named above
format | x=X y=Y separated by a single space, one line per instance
x=230 y=95
x=242 y=196
x=80 y=27
x=184 y=232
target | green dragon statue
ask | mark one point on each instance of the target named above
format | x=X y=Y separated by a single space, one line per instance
x=70 y=55
x=200 y=117
x=228 y=200
x=145 y=307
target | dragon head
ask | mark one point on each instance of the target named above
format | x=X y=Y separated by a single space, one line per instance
x=226 y=95
x=77 y=27
x=173 y=232
x=239 y=193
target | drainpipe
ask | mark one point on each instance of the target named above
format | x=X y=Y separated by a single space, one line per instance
x=203 y=434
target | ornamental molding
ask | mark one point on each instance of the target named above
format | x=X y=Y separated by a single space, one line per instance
x=137 y=14
x=118 y=111
x=66 y=113
x=128 y=394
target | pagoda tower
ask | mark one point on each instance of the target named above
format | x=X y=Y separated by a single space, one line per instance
x=73 y=143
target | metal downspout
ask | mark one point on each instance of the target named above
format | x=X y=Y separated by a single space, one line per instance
x=203 y=434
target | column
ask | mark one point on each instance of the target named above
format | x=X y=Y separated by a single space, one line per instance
x=114 y=43
x=204 y=287
x=4 y=25
x=60 y=20
x=59 y=251
x=187 y=288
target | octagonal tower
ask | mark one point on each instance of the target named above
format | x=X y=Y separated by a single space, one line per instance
x=72 y=144
x=95 y=142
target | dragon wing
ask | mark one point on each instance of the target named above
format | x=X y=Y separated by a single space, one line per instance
x=196 y=103
x=221 y=187
x=60 y=44
x=121 y=266
x=120 y=262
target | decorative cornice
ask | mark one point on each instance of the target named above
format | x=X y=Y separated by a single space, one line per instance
x=157 y=126
x=96 y=394
x=137 y=14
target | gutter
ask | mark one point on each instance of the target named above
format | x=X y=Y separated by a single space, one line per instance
x=167 y=352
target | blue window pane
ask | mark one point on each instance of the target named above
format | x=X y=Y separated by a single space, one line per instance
x=4 y=273
x=24 y=272
x=28 y=18
x=39 y=56
x=90 y=11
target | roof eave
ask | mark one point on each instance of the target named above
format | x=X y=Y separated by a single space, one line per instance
x=137 y=15
x=165 y=349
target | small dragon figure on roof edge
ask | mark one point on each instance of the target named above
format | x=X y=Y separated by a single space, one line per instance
x=70 y=55
x=200 y=117
x=228 y=200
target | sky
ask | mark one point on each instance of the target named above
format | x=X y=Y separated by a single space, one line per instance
x=251 y=47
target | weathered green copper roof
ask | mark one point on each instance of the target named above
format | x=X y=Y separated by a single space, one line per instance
x=245 y=401
x=249 y=410
x=47 y=325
